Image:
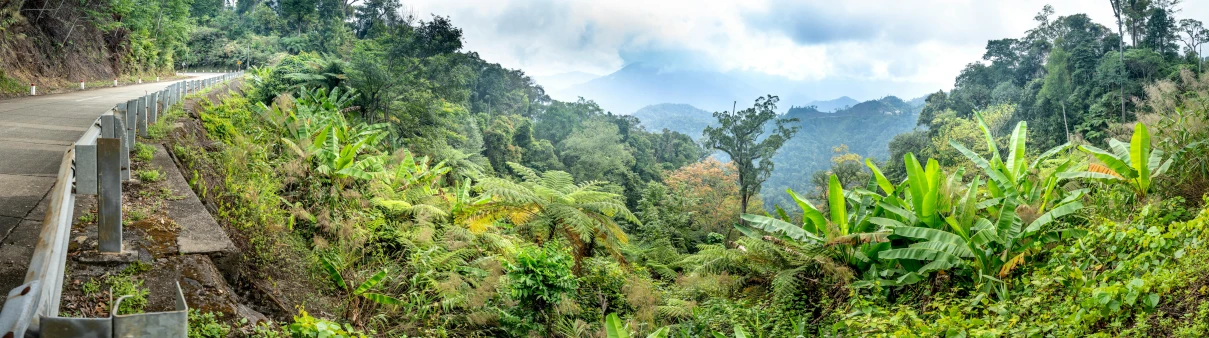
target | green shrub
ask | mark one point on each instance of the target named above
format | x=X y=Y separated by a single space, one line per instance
x=538 y=280
x=124 y=285
x=305 y=326
x=11 y=86
x=143 y=153
x=135 y=268
x=165 y=123
x=206 y=325
x=1115 y=277
x=91 y=287
x=150 y=175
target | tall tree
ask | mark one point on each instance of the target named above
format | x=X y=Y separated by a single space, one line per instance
x=1118 y=7
x=713 y=188
x=1136 y=12
x=1057 y=85
x=737 y=135
x=1161 y=31
x=1195 y=34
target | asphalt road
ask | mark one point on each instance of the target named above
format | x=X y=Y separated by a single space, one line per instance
x=34 y=133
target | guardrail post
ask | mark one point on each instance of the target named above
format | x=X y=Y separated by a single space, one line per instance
x=108 y=126
x=153 y=105
x=19 y=308
x=86 y=168
x=140 y=121
x=121 y=130
x=109 y=200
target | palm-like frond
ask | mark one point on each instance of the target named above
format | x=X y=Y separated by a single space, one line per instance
x=582 y=213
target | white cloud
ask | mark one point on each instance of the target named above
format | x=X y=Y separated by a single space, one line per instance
x=920 y=43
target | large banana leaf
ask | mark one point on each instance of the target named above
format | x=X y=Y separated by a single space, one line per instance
x=1088 y=174
x=881 y=179
x=812 y=218
x=1017 y=152
x=1047 y=154
x=986 y=132
x=614 y=328
x=1139 y=156
x=371 y=282
x=936 y=239
x=836 y=204
x=1048 y=217
x=924 y=186
x=1119 y=149
x=1117 y=165
x=938 y=260
x=1008 y=225
x=781 y=228
x=996 y=176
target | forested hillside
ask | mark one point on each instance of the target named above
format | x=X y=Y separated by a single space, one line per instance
x=843 y=138
x=380 y=179
x=57 y=44
x=677 y=117
x=846 y=134
x=1072 y=77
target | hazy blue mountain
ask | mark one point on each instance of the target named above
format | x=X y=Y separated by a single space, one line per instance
x=638 y=85
x=678 y=117
x=834 y=104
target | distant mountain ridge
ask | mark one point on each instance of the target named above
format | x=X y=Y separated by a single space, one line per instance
x=678 y=117
x=889 y=105
x=833 y=104
x=865 y=127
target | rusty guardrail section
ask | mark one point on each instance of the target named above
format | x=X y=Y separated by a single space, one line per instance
x=94 y=165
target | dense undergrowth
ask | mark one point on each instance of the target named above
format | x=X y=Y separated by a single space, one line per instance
x=1075 y=241
x=395 y=185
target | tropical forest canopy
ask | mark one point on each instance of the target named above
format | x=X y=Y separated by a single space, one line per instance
x=1057 y=190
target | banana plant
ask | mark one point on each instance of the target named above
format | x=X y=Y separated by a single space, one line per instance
x=317 y=130
x=615 y=328
x=925 y=195
x=850 y=237
x=1015 y=175
x=991 y=245
x=1135 y=164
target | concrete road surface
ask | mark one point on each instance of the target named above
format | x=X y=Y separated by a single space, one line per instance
x=34 y=133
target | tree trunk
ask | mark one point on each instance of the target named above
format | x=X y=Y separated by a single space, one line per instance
x=1124 y=75
x=1064 y=123
x=743 y=197
x=1117 y=10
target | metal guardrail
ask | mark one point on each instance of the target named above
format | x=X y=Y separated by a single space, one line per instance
x=96 y=164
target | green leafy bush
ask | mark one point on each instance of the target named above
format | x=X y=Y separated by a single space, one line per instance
x=538 y=280
x=143 y=152
x=305 y=326
x=1115 y=276
x=150 y=175
x=206 y=325
x=124 y=285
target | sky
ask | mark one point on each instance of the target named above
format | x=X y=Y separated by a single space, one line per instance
x=905 y=48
